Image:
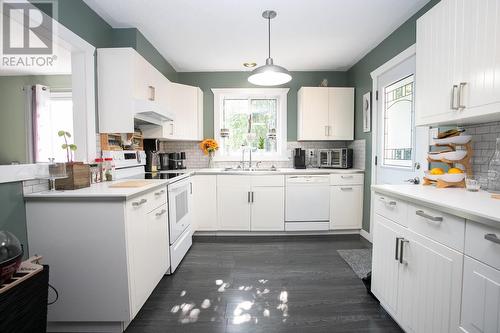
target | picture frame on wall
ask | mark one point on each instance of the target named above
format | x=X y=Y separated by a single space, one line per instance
x=367 y=112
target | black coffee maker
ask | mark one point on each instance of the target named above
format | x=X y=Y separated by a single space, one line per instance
x=176 y=161
x=151 y=147
x=299 y=158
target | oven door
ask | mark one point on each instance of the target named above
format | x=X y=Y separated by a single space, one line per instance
x=324 y=158
x=179 y=194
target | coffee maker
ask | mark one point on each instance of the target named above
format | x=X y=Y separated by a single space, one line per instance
x=299 y=158
x=176 y=161
x=152 y=147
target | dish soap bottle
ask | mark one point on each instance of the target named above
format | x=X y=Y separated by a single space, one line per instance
x=494 y=170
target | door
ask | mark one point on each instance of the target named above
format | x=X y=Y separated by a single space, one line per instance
x=385 y=266
x=313 y=113
x=346 y=207
x=430 y=283
x=158 y=238
x=400 y=146
x=233 y=202
x=268 y=208
x=183 y=103
x=341 y=113
x=480 y=299
x=204 y=203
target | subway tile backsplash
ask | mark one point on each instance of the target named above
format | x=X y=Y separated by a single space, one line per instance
x=195 y=158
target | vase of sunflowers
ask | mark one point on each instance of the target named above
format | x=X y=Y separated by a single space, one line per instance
x=209 y=147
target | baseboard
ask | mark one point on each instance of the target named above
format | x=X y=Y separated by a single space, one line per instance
x=366 y=235
x=276 y=233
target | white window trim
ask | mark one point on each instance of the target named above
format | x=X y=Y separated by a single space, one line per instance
x=279 y=93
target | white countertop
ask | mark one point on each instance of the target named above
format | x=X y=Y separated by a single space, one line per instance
x=103 y=191
x=476 y=206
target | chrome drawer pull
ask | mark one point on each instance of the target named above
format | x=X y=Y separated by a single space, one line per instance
x=346 y=188
x=163 y=211
x=390 y=203
x=138 y=203
x=346 y=177
x=492 y=238
x=159 y=193
x=429 y=217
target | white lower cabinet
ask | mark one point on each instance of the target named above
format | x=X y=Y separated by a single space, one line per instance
x=481 y=298
x=346 y=207
x=268 y=208
x=243 y=207
x=204 y=203
x=417 y=279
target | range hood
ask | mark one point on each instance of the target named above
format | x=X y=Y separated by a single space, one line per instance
x=147 y=113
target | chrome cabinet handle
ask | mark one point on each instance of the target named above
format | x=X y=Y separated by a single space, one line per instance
x=329 y=130
x=248 y=197
x=390 y=203
x=346 y=177
x=401 y=250
x=252 y=196
x=171 y=128
x=160 y=192
x=152 y=93
x=397 y=248
x=346 y=188
x=326 y=130
x=429 y=217
x=460 y=95
x=163 y=211
x=453 y=92
x=138 y=203
x=492 y=238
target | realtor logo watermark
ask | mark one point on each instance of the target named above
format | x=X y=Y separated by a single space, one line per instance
x=27 y=34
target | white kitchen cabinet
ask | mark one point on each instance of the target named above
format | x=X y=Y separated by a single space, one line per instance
x=127 y=84
x=268 y=208
x=458 y=56
x=204 y=203
x=250 y=203
x=481 y=298
x=186 y=103
x=430 y=284
x=346 y=207
x=325 y=113
x=385 y=264
x=233 y=202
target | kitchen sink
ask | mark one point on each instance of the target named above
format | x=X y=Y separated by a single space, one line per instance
x=249 y=169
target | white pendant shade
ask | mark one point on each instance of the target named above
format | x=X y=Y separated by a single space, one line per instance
x=269 y=75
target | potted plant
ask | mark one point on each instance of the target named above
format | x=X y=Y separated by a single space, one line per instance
x=209 y=147
x=261 y=145
x=78 y=172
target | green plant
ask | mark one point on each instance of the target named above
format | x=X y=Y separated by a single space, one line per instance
x=262 y=142
x=70 y=148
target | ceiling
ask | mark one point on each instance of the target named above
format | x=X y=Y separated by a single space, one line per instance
x=220 y=35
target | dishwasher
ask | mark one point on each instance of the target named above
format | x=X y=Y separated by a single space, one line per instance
x=307 y=203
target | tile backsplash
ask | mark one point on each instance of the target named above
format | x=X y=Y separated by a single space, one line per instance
x=483 y=142
x=195 y=159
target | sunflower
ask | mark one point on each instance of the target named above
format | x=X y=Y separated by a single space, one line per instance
x=208 y=146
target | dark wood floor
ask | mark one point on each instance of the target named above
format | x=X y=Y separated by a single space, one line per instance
x=264 y=285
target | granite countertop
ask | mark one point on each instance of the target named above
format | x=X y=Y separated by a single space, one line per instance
x=104 y=191
x=475 y=206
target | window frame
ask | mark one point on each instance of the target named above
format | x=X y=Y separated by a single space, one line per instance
x=280 y=94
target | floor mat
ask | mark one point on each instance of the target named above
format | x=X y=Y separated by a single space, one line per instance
x=360 y=260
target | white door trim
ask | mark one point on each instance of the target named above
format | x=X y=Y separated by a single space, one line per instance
x=401 y=57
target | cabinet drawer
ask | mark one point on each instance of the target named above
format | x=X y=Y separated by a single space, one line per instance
x=393 y=209
x=443 y=228
x=347 y=179
x=270 y=180
x=479 y=247
x=151 y=200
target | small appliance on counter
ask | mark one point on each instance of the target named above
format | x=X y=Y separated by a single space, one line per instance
x=152 y=148
x=176 y=161
x=335 y=158
x=299 y=158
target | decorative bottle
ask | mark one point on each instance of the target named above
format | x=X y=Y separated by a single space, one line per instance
x=494 y=170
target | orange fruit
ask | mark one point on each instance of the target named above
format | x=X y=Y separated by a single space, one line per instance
x=437 y=171
x=455 y=170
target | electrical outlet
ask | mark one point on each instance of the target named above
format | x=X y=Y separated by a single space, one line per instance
x=311 y=153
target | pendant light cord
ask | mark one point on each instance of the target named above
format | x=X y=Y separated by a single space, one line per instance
x=269 y=36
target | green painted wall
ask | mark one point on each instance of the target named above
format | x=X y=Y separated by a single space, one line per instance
x=13 y=214
x=209 y=80
x=358 y=76
x=13 y=108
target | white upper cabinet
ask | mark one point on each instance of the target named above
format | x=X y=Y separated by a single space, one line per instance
x=325 y=113
x=458 y=63
x=186 y=102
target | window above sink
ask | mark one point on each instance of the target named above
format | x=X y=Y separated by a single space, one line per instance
x=252 y=117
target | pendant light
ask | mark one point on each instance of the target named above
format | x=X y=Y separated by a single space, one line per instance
x=269 y=74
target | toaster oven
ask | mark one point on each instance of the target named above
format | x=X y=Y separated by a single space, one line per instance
x=335 y=158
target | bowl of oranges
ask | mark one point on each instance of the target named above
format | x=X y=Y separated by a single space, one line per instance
x=453 y=175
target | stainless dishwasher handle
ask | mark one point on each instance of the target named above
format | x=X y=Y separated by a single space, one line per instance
x=492 y=238
x=429 y=217
x=138 y=203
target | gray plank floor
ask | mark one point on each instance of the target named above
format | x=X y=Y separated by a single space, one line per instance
x=277 y=284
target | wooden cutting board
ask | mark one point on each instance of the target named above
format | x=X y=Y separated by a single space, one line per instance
x=130 y=184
